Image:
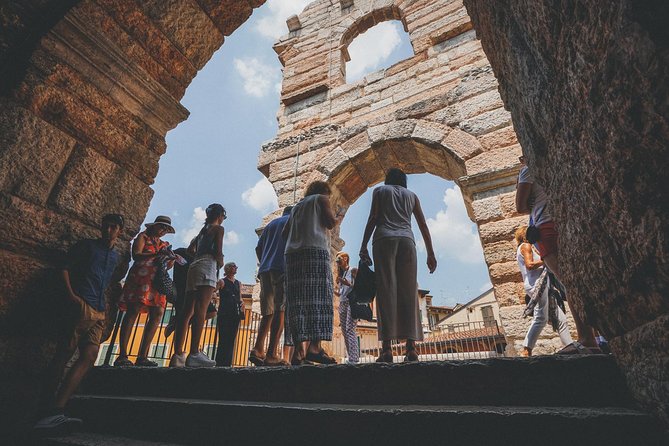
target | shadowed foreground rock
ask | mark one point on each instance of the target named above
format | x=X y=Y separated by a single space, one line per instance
x=587 y=84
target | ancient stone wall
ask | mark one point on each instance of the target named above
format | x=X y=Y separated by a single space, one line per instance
x=587 y=83
x=438 y=112
x=88 y=91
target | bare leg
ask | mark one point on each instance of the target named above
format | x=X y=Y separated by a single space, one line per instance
x=126 y=328
x=203 y=297
x=87 y=356
x=586 y=334
x=182 y=324
x=155 y=315
x=287 y=352
x=54 y=375
x=263 y=329
x=275 y=333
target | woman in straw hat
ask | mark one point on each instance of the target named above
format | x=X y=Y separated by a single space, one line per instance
x=139 y=295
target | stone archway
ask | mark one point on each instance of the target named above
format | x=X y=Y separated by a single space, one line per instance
x=437 y=112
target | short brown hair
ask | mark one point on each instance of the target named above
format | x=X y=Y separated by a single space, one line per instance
x=521 y=235
x=317 y=188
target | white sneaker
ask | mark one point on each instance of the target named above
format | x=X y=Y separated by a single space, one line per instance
x=178 y=360
x=58 y=423
x=199 y=359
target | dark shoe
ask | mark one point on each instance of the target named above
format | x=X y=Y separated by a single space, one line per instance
x=57 y=425
x=411 y=356
x=320 y=358
x=123 y=361
x=255 y=359
x=386 y=356
x=144 y=362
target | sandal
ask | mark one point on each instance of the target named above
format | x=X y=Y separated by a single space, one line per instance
x=576 y=348
x=255 y=359
x=144 y=362
x=123 y=361
x=385 y=356
x=320 y=358
x=280 y=363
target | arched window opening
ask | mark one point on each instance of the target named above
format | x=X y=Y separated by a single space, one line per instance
x=379 y=47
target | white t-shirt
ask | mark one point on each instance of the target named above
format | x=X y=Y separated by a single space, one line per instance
x=538 y=198
x=305 y=227
x=345 y=290
x=395 y=206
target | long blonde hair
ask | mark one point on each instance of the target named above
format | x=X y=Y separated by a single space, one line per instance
x=521 y=235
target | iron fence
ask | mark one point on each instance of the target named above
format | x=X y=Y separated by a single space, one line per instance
x=479 y=339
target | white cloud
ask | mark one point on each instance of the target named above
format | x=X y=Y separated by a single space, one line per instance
x=231 y=238
x=259 y=78
x=369 y=50
x=453 y=233
x=261 y=197
x=273 y=23
x=196 y=223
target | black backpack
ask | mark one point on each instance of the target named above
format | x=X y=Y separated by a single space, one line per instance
x=363 y=293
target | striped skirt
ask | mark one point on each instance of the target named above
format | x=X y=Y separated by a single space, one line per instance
x=309 y=293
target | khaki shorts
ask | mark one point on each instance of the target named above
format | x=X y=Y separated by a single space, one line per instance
x=271 y=292
x=87 y=327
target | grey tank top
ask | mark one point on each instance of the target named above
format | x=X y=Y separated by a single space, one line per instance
x=205 y=243
x=395 y=207
x=305 y=227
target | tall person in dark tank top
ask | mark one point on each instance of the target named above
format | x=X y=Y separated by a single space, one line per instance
x=200 y=286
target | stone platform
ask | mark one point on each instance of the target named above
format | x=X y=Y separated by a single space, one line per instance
x=578 y=400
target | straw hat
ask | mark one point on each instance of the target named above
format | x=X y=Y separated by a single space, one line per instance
x=162 y=220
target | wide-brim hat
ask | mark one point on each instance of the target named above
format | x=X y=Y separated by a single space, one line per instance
x=162 y=220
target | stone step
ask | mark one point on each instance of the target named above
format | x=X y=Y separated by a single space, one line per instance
x=574 y=381
x=92 y=439
x=210 y=422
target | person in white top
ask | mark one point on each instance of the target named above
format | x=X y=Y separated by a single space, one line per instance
x=394 y=251
x=345 y=280
x=531 y=267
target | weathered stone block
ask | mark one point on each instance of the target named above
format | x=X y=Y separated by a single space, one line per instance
x=22 y=134
x=487 y=209
x=92 y=186
x=463 y=145
x=486 y=122
x=509 y=293
x=505 y=272
x=498 y=159
x=501 y=230
x=499 y=252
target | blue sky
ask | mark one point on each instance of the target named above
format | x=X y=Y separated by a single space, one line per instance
x=212 y=156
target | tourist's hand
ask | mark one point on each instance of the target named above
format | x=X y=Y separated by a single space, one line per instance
x=431 y=263
x=220 y=284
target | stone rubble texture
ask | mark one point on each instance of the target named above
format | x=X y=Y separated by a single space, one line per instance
x=587 y=84
x=88 y=90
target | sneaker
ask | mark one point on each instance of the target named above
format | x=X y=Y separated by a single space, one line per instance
x=178 y=360
x=57 y=424
x=144 y=362
x=199 y=359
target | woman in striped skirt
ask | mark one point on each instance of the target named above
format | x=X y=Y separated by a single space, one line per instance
x=309 y=284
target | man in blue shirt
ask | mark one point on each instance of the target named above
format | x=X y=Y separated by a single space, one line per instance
x=270 y=253
x=87 y=273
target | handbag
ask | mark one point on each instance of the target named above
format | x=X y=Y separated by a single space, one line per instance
x=241 y=314
x=162 y=281
x=363 y=293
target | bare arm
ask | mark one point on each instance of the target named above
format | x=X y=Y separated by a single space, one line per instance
x=68 y=286
x=523 y=198
x=425 y=232
x=528 y=257
x=138 y=247
x=328 y=218
x=218 y=242
x=369 y=229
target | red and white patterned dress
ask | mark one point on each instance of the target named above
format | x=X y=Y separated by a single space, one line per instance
x=138 y=286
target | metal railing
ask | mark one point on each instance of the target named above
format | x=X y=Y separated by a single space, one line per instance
x=469 y=340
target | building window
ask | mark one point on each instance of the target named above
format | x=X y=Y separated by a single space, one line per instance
x=488 y=316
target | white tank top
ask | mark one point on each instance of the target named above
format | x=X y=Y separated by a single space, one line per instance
x=305 y=227
x=395 y=206
x=344 y=290
x=530 y=276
